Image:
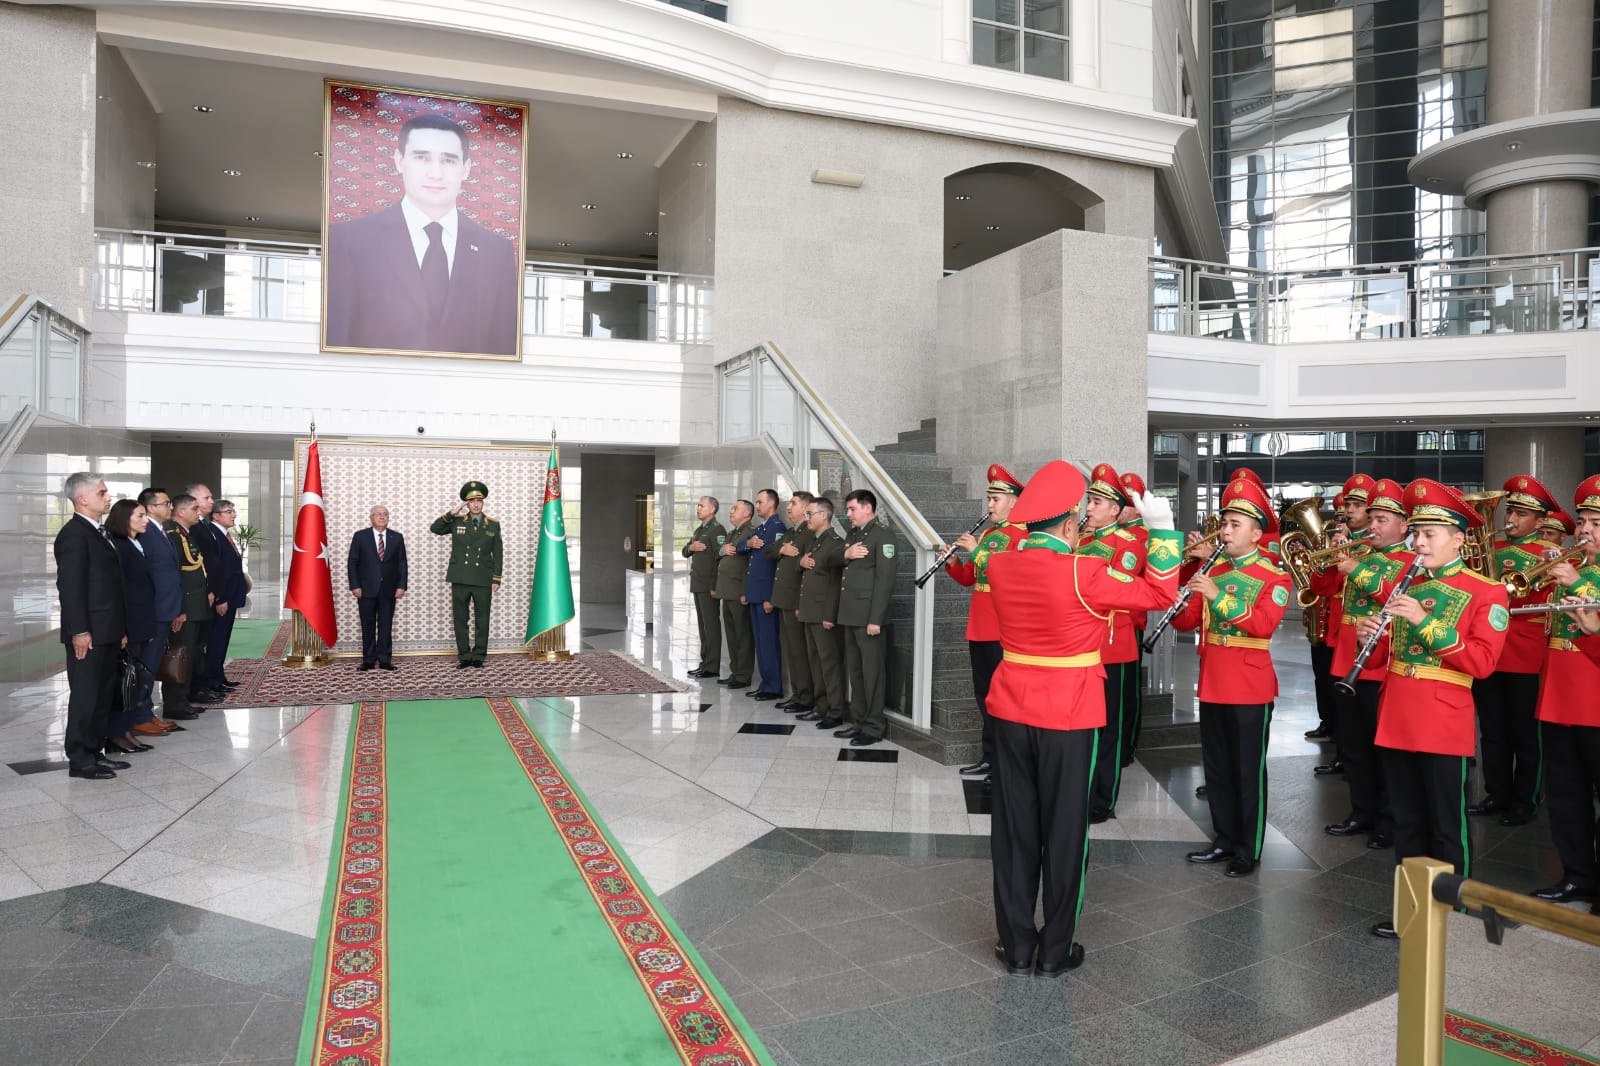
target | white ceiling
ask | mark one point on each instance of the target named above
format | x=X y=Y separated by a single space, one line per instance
x=266 y=123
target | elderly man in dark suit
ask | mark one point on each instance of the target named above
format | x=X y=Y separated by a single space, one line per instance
x=377 y=568
x=231 y=592
x=94 y=624
x=170 y=619
x=421 y=275
x=204 y=538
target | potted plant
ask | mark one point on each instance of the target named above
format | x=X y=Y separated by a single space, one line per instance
x=247 y=537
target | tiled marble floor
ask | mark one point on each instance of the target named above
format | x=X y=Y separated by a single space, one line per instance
x=862 y=923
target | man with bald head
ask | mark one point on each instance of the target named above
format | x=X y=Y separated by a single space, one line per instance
x=377 y=568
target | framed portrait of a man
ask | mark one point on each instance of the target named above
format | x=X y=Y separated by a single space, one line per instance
x=422 y=223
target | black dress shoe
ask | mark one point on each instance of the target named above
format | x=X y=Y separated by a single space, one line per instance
x=796 y=708
x=1334 y=767
x=1348 y=828
x=808 y=716
x=93 y=773
x=206 y=697
x=179 y=716
x=1050 y=971
x=1385 y=930
x=731 y=683
x=367 y=666
x=228 y=686
x=1322 y=732
x=1380 y=841
x=753 y=692
x=480 y=663
x=1240 y=868
x=847 y=732
x=463 y=664
x=1489 y=806
x=977 y=769
x=1518 y=816
x=1563 y=892
x=1200 y=792
x=112 y=764
x=1098 y=816
x=386 y=666
x=1013 y=967
x=829 y=723
x=704 y=673
x=1210 y=855
x=765 y=697
x=861 y=740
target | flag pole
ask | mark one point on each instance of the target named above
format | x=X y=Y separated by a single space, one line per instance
x=550 y=645
x=306 y=649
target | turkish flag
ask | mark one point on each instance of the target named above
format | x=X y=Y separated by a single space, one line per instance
x=310 y=576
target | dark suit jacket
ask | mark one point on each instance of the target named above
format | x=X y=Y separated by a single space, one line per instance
x=89 y=581
x=758 y=582
x=231 y=565
x=162 y=563
x=139 y=590
x=372 y=577
x=375 y=295
x=206 y=537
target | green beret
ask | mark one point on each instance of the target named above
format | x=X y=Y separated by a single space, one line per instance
x=474 y=490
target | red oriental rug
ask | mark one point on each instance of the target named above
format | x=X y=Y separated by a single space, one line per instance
x=1472 y=1041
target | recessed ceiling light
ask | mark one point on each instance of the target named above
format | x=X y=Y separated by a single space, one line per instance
x=1513 y=146
x=663 y=214
x=624 y=155
x=589 y=207
x=317 y=153
x=650 y=233
x=963 y=196
x=147 y=164
x=1435 y=181
x=252 y=218
x=103 y=96
x=204 y=109
x=699 y=164
x=230 y=172
x=991 y=229
x=563 y=244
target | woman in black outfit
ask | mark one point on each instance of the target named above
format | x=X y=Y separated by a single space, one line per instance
x=125 y=522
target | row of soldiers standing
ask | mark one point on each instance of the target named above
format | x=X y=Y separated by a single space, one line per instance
x=798 y=602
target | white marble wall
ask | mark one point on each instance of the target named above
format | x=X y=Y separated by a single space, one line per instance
x=125 y=135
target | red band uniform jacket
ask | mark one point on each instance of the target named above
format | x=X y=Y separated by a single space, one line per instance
x=1366 y=590
x=1570 y=691
x=1237 y=627
x=1053 y=607
x=981 y=621
x=1427 y=695
x=1123 y=553
x=1527 y=637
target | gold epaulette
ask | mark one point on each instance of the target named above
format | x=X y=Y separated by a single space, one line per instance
x=1269 y=566
x=1124 y=534
x=1480 y=577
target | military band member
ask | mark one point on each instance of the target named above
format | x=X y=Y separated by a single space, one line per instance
x=1509 y=697
x=1556 y=527
x=1329 y=584
x=1330 y=616
x=1048 y=703
x=822 y=566
x=1119 y=653
x=733 y=567
x=865 y=592
x=1448 y=629
x=983 y=630
x=1133 y=487
x=476 y=550
x=1569 y=718
x=785 y=551
x=1269 y=545
x=1368 y=580
x=702 y=551
x=1239 y=604
x=764 y=617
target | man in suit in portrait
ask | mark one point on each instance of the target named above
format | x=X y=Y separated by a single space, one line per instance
x=94 y=625
x=421 y=276
x=377 y=579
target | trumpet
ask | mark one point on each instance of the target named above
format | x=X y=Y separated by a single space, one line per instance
x=939 y=560
x=1522 y=582
x=1557 y=608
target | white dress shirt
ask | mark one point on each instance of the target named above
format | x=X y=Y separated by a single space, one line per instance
x=416 y=220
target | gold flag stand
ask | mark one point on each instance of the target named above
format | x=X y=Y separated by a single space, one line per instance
x=306 y=649
x=550 y=646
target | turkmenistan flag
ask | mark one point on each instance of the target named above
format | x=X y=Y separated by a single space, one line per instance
x=551 y=603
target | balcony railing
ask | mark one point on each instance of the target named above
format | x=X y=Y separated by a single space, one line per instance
x=282 y=281
x=1535 y=293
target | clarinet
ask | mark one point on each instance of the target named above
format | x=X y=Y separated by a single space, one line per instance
x=1347 y=684
x=1184 y=595
x=939 y=561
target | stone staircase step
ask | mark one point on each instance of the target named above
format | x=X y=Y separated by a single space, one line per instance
x=944 y=746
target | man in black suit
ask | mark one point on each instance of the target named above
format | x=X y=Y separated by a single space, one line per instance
x=421 y=276
x=184 y=538
x=204 y=538
x=377 y=579
x=94 y=625
x=230 y=595
x=163 y=560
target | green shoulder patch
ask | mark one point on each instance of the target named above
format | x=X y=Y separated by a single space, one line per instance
x=1499 y=618
x=1120 y=576
x=722 y=540
x=888 y=551
x=1128 y=561
x=1280 y=596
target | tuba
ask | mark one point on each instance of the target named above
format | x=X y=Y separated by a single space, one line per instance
x=1301 y=546
x=1478 y=551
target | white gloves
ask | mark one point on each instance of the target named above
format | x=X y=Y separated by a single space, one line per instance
x=1155 y=510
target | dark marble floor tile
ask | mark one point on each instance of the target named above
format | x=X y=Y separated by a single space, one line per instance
x=955 y=1022
x=785 y=960
x=862 y=1036
x=874 y=755
x=1037 y=1049
x=827 y=839
x=1132 y=1037
x=953 y=846
x=81 y=989
x=28 y=912
x=839 y=993
x=704 y=903
x=1224 y=892
x=882 y=938
x=906 y=889
x=272 y=1031
x=846 y=868
x=1104 y=928
x=53 y=1039
x=1109 y=883
x=1195 y=951
x=771 y=866
x=1222 y=1019
x=1047 y=1004
x=786 y=841
x=917 y=975
x=168 y=1036
x=1321 y=913
x=1371 y=964
x=1163 y=913
x=953 y=921
x=177 y=986
x=1309 y=997
x=1133 y=976
x=1264 y=932
x=761 y=1010
x=899 y=845
x=1112 y=852
x=1351 y=891
x=34 y=946
x=818 y=907
x=758 y=923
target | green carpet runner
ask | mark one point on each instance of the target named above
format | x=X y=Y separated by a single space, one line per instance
x=1472 y=1041
x=252 y=637
x=478 y=912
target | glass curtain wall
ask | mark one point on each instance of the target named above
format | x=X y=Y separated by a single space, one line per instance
x=1319 y=105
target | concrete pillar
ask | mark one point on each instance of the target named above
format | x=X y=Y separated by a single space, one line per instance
x=1553 y=454
x=1539 y=56
x=174 y=464
x=606 y=548
x=47 y=124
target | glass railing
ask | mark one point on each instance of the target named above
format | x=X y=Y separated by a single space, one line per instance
x=282 y=282
x=1535 y=293
x=765 y=402
x=41 y=360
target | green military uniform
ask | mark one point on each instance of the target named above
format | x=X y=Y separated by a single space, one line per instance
x=819 y=602
x=731 y=572
x=702 y=578
x=865 y=590
x=192 y=583
x=476 y=551
x=786 y=601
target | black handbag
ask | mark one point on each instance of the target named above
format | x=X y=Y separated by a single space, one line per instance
x=133 y=679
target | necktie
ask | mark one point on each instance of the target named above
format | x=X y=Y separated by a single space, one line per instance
x=233 y=543
x=380 y=546
x=435 y=274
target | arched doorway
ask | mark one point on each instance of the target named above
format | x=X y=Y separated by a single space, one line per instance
x=996 y=207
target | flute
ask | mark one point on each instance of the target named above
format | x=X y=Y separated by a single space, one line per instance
x=1557 y=608
x=1180 y=603
x=939 y=560
x=1347 y=683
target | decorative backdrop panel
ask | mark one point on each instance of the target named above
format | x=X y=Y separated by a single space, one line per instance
x=418 y=483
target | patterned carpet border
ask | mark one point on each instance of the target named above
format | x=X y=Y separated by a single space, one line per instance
x=353 y=1012
x=268 y=683
x=1509 y=1044
x=701 y=1029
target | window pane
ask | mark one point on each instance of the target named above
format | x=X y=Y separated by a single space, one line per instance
x=62 y=375
x=1047 y=15
x=992 y=47
x=1045 y=56
x=737 y=405
x=995 y=10
x=19 y=368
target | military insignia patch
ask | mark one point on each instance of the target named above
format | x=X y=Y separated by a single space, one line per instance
x=1499 y=618
x=722 y=540
x=1129 y=561
x=1120 y=576
x=888 y=551
x=1280 y=596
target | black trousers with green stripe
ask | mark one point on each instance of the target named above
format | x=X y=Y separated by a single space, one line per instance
x=1108 y=754
x=1039 y=823
x=1572 y=754
x=1132 y=702
x=1233 y=749
x=1513 y=763
x=1428 y=795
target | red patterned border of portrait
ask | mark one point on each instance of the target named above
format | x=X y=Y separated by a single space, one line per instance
x=700 y=1028
x=353 y=1017
x=1509 y=1044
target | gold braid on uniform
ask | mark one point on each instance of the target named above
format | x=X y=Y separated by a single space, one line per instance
x=1077 y=590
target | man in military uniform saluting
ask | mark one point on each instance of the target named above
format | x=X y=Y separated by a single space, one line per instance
x=821 y=567
x=702 y=552
x=864 y=595
x=786 y=550
x=733 y=566
x=474 y=572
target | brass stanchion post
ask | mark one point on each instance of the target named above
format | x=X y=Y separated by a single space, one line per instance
x=305 y=646
x=1421 y=922
x=550 y=646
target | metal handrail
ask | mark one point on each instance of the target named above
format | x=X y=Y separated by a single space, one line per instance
x=25 y=308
